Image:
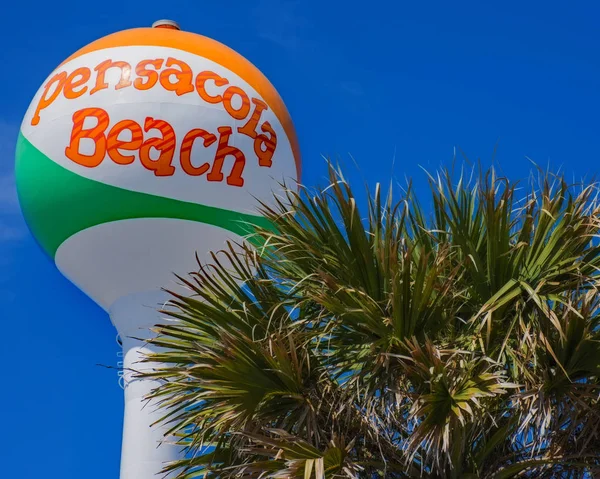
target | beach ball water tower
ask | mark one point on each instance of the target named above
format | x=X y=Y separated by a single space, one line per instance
x=140 y=150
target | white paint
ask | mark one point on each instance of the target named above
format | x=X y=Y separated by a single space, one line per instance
x=186 y=112
x=145 y=450
x=117 y=259
x=165 y=22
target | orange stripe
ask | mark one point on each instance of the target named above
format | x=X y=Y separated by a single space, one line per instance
x=125 y=125
x=212 y=50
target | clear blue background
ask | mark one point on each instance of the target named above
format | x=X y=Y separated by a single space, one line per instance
x=378 y=80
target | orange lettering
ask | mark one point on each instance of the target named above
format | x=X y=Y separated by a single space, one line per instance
x=96 y=133
x=165 y=145
x=249 y=129
x=114 y=144
x=201 y=80
x=84 y=74
x=184 y=77
x=46 y=101
x=264 y=146
x=151 y=76
x=101 y=84
x=243 y=110
x=224 y=150
x=186 y=151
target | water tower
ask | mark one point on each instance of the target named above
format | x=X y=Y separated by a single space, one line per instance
x=140 y=150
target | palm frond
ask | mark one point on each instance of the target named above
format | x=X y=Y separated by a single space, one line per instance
x=457 y=343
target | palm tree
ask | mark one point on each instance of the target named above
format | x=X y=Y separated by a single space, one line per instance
x=463 y=343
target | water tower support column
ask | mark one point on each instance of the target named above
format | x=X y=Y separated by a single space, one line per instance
x=145 y=450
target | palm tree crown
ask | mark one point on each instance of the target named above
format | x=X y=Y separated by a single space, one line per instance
x=463 y=343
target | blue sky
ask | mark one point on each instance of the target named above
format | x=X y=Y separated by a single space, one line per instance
x=397 y=85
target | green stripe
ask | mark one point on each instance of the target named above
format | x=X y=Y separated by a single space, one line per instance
x=58 y=203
